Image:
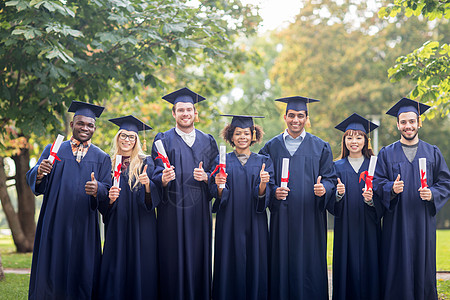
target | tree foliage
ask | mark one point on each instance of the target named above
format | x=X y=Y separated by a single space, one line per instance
x=428 y=66
x=53 y=52
x=122 y=54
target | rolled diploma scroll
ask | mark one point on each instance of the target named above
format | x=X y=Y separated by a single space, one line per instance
x=223 y=161
x=160 y=149
x=117 y=170
x=285 y=173
x=423 y=172
x=371 y=171
x=55 y=148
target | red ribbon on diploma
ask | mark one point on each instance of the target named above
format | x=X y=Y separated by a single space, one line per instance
x=368 y=179
x=423 y=180
x=164 y=159
x=285 y=179
x=53 y=154
x=117 y=172
x=221 y=169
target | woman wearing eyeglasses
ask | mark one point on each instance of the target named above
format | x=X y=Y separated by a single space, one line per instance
x=129 y=264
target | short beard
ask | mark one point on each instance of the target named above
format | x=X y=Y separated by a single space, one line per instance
x=410 y=138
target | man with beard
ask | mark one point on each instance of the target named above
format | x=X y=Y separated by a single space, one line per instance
x=66 y=253
x=184 y=214
x=411 y=202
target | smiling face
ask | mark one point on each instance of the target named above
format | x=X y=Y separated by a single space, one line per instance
x=83 y=128
x=126 y=141
x=355 y=144
x=295 y=121
x=184 y=114
x=242 y=138
x=407 y=124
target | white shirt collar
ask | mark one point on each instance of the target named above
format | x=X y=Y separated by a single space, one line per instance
x=286 y=133
x=188 y=138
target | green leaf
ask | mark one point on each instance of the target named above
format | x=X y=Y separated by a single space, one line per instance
x=188 y=43
x=177 y=27
x=50 y=6
x=29 y=34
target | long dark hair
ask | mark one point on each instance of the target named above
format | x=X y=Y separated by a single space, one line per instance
x=366 y=152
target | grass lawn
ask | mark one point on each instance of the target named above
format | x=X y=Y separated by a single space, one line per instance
x=11 y=259
x=15 y=286
x=442 y=250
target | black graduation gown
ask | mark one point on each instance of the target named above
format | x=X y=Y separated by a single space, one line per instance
x=241 y=236
x=129 y=268
x=184 y=218
x=357 y=232
x=298 y=225
x=408 y=240
x=66 y=255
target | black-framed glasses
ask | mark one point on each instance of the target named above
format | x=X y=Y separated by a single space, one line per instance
x=124 y=136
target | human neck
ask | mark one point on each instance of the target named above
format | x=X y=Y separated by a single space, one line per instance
x=245 y=151
x=295 y=135
x=186 y=129
x=412 y=142
x=355 y=155
x=125 y=153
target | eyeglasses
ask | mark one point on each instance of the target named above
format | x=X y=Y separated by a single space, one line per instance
x=124 y=136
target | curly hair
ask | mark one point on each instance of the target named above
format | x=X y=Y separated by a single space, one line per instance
x=228 y=131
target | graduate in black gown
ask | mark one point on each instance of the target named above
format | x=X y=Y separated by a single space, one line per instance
x=66 y=255
x=357 y=223
x=298 y=224
x=241 y=236
x=408 y=240
x=129 y=268
x=184 y=214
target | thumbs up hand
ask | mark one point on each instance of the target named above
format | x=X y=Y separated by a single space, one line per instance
x=398 y=185
x=264 y=175
x=91 y=187
x=319 y=189
x=340 y=187
x=200 y=174
x=143 y=177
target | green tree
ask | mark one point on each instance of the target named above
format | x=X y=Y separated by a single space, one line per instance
x=253 y=92
x=427 y=67
x=111 y=52
x=338 y=52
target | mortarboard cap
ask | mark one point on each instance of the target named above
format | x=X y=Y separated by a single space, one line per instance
x=183 y=95
x=297 y=103
x=407 y=105
x=86 y=109
x=130 y=123
x=356 y=122
x=242 y=121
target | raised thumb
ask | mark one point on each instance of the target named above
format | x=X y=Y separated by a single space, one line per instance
x=398 y=178
x=339 y=181
x=263 y=167
x=145 y=169
x=318 y=179
x=92 y=176
x=200 y=165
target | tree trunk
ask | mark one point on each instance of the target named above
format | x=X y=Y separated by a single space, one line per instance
x=25 y=196
x=2 y=274
x=20 y=240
